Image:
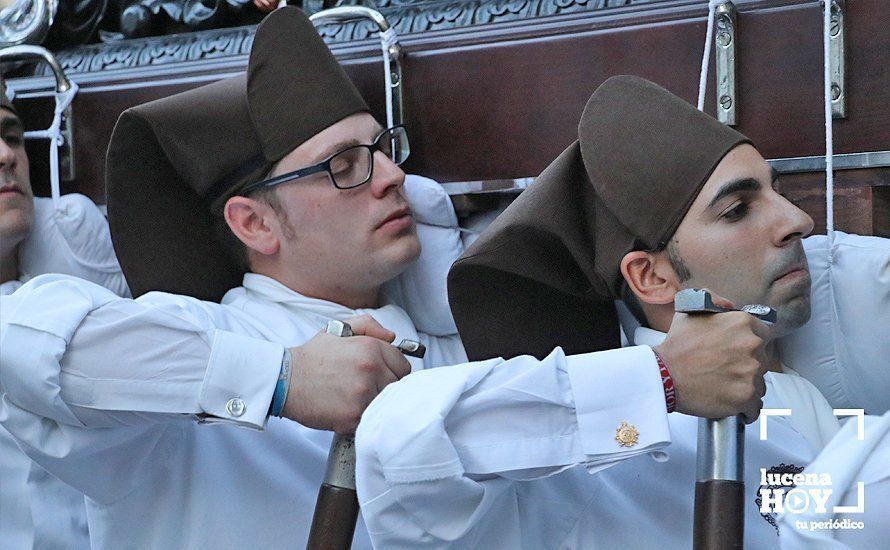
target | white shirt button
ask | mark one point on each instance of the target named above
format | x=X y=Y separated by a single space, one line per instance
x=235 y=407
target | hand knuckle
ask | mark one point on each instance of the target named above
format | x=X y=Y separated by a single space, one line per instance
x=365 y=366
x=749 y=343
x=741 y=394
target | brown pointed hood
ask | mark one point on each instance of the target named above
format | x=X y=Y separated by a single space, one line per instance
x=174 y=161
x=546 y=272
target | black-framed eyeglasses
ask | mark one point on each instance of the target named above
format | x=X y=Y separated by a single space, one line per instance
x=350 y=167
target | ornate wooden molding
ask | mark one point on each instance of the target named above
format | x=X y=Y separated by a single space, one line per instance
x=407 y=16
x=161 y=50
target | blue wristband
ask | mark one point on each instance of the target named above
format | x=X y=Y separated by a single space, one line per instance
x=279 y=397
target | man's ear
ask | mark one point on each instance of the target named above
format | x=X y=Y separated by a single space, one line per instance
x=650 y=277
x=254 y=224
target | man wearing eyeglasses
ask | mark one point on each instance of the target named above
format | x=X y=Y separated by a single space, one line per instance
x=289 y=215
x=302 y=185
x=374 y=229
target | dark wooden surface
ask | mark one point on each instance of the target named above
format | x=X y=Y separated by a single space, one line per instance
x=502 y=100
x=861 y=199
x=719 y=522
x=333 y=522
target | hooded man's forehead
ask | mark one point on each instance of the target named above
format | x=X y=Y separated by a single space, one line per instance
x=356 y=129
x=742 y=170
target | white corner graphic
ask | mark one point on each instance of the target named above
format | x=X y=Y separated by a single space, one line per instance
x=860 y=420
x=860 y=502
x=764 y=413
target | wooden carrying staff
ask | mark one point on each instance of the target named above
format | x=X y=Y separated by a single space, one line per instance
x=719 y=517
x=336 y=509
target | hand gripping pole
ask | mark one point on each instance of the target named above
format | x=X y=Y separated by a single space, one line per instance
x=336 y=509
x=719 y=518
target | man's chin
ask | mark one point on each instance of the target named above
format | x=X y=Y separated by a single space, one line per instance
x=409 y=248
x=15 y=223
x=793 y=314
x=401 y=254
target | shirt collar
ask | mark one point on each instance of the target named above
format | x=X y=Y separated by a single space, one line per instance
x=260 y=288
x=267 y=288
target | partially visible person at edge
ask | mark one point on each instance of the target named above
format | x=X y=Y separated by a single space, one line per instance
x=36 y=509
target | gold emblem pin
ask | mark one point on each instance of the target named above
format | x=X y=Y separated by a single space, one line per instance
x=626 y=435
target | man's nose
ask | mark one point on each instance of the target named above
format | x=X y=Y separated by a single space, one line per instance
x=795 y=224
x=387 y=175
x=7 y=156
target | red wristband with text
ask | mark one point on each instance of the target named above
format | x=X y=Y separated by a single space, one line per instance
x=670 y=392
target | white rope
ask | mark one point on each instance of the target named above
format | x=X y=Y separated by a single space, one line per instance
x=706 y=57
x=829 y=130
x=387 y=39
x=54 y=135
x=829 y=122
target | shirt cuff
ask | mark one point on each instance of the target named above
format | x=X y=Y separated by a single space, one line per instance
x=240 y=379
x=619 y=403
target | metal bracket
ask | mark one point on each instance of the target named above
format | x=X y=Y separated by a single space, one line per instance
x=725 y=43
x=394 y=78
x=844 y=161
x=837 y=53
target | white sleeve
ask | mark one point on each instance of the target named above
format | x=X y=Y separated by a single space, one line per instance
x=853 y=513
x=78 y=365
x=462 y=433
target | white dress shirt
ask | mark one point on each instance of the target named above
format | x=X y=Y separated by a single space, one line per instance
x=105 y=392
x=452 y=475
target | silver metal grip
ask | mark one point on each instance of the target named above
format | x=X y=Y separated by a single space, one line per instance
x=412 y=348
x=721 y=449
x=696 y=300
x=340 y=471
x=339 y=328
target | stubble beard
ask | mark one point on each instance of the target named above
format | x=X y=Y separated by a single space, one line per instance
x=793 y=311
